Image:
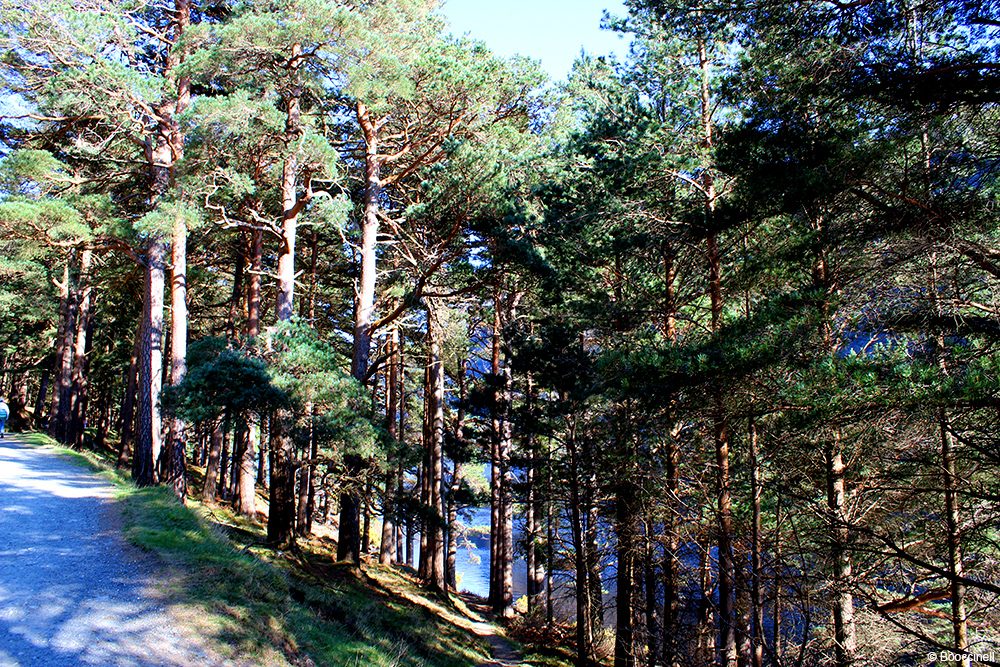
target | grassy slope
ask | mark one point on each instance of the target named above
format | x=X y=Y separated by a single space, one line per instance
x=264 y=607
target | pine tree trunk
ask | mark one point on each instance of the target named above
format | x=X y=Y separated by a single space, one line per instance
x=845 y=642
x=495 y=510
x=456 y=481
x=501 y=511
x=495 y=474
x=43 y=390
x=77 y=402
x=281 y=519
x=387 y=547
x=960 y=632
x=404 y=536
x=224 y=462
x=411 y=536
x=81 y=387
x=959 y=622
x=451 y=557
x=305 y=475
x=727 y=565
x=270 y=458
x=201 y=455
x=505 y=557
x=592 y=518
x=435 y=446
x=129 y=402
x=720 y=431
x=59 y=416
x=307 y=306
x=254 y=282
x=776 y=614
x=551 y=530
x=705 y=649
x=253 y=449
x=535 y=515
x=671 y=593
x=302 y=503
x=401 y=521
x=584 y=625
x=244 y=461
x=843 y=600
x=424 y=566
x=263 y=457
x=285 y=306
x=164 y=147
x=212 y=465
x=58 y=350
x=104 y=419
x=366 y=513
x=625 y=517
x=649 y=588
x=148 y=444
x=174 y=455
x=311 y=496
x=233 y=469
x=237 y=296
x=756 y=549
x=350 y=506
x=531 y=527
x=727 y=569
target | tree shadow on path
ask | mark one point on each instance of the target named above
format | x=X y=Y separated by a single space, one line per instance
x=72 y=591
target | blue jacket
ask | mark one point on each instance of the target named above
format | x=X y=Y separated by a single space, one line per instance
x=4 y=410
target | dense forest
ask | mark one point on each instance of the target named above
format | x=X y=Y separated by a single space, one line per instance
x=712 y=330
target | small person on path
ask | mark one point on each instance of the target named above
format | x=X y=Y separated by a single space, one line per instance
x=4 y=413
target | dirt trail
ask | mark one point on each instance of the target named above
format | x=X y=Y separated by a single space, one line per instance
x=72 y=591
x=503 y=652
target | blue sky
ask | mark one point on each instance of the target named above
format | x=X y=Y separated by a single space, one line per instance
x=552 y=31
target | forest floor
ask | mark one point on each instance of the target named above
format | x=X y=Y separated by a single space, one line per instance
x=202 y=572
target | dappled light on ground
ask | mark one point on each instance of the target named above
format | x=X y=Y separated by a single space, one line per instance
x=72 y=592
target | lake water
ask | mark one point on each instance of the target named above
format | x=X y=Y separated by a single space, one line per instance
x=472 y=559
x=472 y=562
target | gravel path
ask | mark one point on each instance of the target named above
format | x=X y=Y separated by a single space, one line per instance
x=72 y=591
